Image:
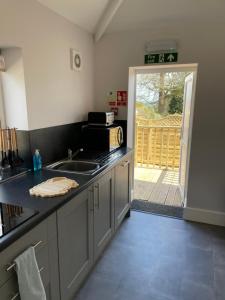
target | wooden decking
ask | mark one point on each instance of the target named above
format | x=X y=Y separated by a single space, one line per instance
x=157 y=185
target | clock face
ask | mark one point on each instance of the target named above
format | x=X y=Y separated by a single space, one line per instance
x=2 y=63
x=77 y=61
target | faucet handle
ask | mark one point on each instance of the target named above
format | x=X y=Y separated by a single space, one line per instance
x=70 y=154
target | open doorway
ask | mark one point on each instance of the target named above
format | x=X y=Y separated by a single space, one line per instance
x=162 y=121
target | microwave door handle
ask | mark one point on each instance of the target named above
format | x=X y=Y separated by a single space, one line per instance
x=118 y=137
x=121 y=135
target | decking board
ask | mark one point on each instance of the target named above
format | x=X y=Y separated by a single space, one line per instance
x=157 y=186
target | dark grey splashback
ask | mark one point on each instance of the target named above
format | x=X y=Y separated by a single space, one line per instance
x=23 y=139
x=53 y=142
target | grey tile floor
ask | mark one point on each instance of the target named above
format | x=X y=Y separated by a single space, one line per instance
x=159 y=258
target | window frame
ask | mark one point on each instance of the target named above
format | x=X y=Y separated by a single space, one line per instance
x=2 y=105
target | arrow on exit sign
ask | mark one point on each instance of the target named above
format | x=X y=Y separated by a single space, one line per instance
x=160 y=58
x=171 y=57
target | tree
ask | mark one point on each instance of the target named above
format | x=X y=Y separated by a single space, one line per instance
x=176 y=105
x=158 y=89
x=162 y=96
x=146 y=111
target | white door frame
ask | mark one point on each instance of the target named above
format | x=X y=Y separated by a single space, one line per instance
x=184 y=192
x=131 y=115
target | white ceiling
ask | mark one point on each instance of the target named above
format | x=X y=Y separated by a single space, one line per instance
x=141 y=14
x=138 y=14
x=84 y=13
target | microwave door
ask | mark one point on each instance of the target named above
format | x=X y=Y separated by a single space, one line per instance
x=113 y=138
x=116 y=137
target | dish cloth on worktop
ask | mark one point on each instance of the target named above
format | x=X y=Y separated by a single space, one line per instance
x=29 y=278
x=56 y=186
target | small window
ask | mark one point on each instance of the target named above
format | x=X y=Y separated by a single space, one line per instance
x=2 y=110
x=13 y=103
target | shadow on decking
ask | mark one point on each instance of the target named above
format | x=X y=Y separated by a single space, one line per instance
x=157 y=186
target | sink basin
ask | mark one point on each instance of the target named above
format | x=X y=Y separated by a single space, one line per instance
x=75 y=166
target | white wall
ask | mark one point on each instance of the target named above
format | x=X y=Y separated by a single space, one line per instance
x=198 y=43
x=14 y=93
x=55 y=94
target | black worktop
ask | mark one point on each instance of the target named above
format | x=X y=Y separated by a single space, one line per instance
x=16 y=192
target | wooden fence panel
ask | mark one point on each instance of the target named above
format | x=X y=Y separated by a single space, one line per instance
x=158 y=146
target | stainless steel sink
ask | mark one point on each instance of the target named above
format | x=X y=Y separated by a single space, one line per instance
x=76 y=166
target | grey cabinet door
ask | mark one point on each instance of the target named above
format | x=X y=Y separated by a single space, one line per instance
x=103 y=212
x=122 y=190
x=75 y=242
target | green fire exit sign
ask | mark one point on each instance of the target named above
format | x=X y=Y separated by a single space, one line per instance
x=161 y=58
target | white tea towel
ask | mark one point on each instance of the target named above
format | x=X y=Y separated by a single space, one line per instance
x=29 y=278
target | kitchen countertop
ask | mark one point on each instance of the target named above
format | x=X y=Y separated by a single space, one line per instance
x=8 y=173
x=16 y=192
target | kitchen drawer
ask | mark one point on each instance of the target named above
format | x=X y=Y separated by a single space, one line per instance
x=43 y=266
x=10 y=290
x=7 y=256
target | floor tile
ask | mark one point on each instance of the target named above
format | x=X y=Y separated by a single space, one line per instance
x=192 y=290
x=219 y=253
x=97 y=287
x=219 y=284
x=160 y=258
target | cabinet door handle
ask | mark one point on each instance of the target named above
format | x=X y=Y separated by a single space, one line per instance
x=96 y=201
x=41 y=269
x=15 y=296
x=91 y=194
x=12 y=266
x=125 y=163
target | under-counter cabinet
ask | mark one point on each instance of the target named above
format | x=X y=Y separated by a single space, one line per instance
x=71 y=240
x=122 y=185
x=44 y=236
x=103 y=212
x=85 y=226
x=75 y=242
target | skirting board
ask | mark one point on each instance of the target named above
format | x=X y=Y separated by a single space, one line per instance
x=204 y=216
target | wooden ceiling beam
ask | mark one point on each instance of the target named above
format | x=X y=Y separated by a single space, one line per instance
x=106 y=18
